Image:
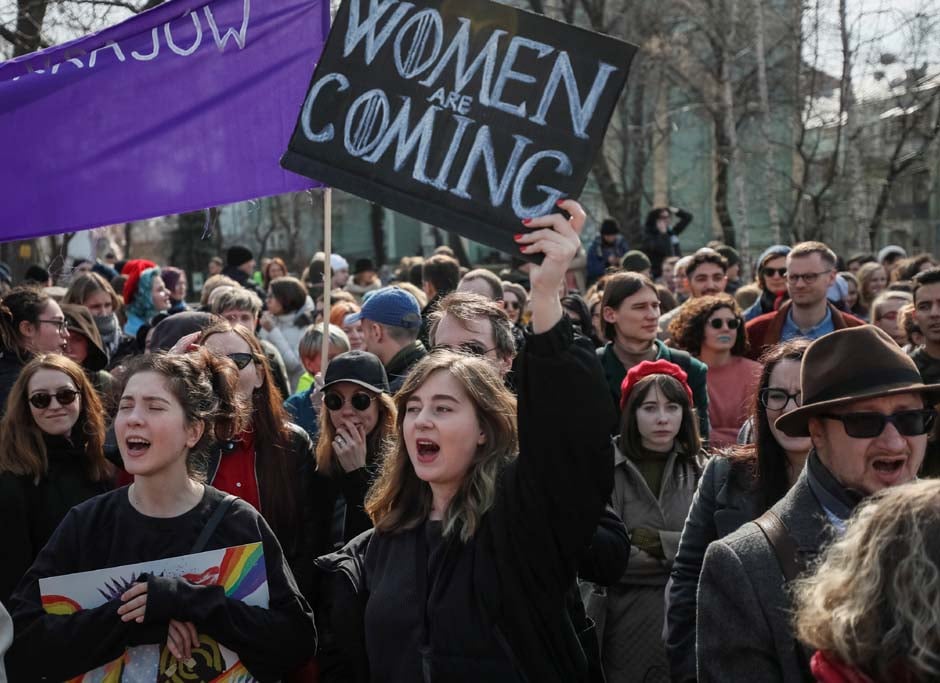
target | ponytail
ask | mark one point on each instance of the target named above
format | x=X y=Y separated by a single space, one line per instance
x=22 y=303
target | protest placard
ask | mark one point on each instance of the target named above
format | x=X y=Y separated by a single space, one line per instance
x=240 y=570
x=467 y=115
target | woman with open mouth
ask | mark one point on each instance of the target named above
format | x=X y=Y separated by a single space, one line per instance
x=51 y=458
x=479 y=524
x=173 y=408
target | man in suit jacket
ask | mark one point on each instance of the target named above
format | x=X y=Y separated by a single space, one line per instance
x=868 y=416
x=811 y=269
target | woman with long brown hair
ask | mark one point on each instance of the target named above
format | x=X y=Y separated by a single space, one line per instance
x=31 y=323
x=737 y=486
x=172 y=409
x=270 y=463
x=51 y=458
x=478 y=526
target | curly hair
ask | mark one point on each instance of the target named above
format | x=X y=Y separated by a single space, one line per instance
x=687 y=329
x=399 y=500
x=874 y=599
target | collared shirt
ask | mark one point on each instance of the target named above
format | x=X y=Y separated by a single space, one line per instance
x=792 y=331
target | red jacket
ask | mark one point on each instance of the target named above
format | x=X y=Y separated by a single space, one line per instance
x=764 y=330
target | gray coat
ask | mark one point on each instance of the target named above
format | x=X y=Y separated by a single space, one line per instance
x=743 y=630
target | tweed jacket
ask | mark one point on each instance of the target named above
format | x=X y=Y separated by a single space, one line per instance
x=743 y=629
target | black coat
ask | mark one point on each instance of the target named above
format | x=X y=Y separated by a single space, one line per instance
x=525 y=556
x=725 y=500
x=658 y=245
x=10 y=368
x=31 y=511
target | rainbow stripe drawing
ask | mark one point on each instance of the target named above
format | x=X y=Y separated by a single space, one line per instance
x=240 y=570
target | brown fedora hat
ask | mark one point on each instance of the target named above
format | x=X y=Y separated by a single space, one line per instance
x=851 y=365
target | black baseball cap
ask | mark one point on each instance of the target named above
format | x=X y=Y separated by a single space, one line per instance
x=359 y=367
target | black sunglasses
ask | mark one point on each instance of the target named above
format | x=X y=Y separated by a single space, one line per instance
x=870 y=425
x=360 y=400
x=780 y=272
x=42 y=399
x=471 y=347
x=718 y=323
x=241 y=360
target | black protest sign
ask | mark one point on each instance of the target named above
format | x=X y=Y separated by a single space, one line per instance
x=469 y=115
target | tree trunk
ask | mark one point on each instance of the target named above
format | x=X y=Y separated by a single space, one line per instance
x=764 y=148
x=853 y=174
x=742 y=237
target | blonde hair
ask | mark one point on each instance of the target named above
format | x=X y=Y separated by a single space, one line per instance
x=874 y=599
x=864 y=276
x=399 y=500
x=212 y=283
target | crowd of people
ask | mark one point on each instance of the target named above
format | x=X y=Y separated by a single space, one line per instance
x=610 y=465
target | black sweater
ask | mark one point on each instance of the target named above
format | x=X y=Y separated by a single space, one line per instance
x=31 y=511
x=108 y=531
x=497 y=605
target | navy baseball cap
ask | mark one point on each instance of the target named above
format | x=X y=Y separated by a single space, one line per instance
x=390 y=306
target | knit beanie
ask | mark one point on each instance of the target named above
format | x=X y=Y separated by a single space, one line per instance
x=133 y=270
x=609 y=227
x=237 y=256
x=635 y=261
x=774 y=251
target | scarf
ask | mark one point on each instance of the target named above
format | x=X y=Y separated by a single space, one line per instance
x=110 y=330
x=833 y=496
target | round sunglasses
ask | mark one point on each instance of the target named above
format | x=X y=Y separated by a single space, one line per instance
x=870 y=425
x=718 y=323
x=360 y=401
x=42 y=399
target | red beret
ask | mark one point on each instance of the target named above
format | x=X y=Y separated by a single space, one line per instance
x=647 y=368
x=133 y=269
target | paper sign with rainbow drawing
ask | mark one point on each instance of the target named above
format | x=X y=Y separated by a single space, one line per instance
x=239 y=569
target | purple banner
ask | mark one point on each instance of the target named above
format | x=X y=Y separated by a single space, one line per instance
x=183 y=107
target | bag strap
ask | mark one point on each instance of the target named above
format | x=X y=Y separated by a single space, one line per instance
x=212 y=524
x=782 y=542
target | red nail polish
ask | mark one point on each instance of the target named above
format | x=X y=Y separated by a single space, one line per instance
x=517 y=237
x=522 y=249
x=559 y=202
x=526 y=221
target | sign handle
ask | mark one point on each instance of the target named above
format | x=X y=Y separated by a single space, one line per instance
x=327 y=275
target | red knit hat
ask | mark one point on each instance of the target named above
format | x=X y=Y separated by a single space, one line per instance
x=647 y=368
x=133 y=269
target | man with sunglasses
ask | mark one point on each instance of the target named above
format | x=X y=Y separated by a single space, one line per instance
x=867 y=413
x=811 y=270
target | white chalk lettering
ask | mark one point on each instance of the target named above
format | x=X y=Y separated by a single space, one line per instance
x=192 y=48
x=356 y=31
x=238 y=36
x=326 y=133
x=552 y=195
x=463 y=106
x=482 y=149
x=155 y=36
x=506 y=73
x=363 y=140
x=581 y=112
x=458 y=48
x=437 y=95
x=419 y=138
x=440 y=182
x=110 y=46
x=427 y=22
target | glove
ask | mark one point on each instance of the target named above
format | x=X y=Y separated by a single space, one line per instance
x=648 y=541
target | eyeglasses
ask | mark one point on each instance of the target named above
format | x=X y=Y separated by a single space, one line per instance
x=241 y=360
x=63 y=325
x=512 y=304
x=870 y=425
x=808 y=278
x=777 y=399
x=360 y=401
x=770 y=272
x=41 y=399
x=718 y=323
x=472 y=348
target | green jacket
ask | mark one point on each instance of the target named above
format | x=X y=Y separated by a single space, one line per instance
x=614 y=372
